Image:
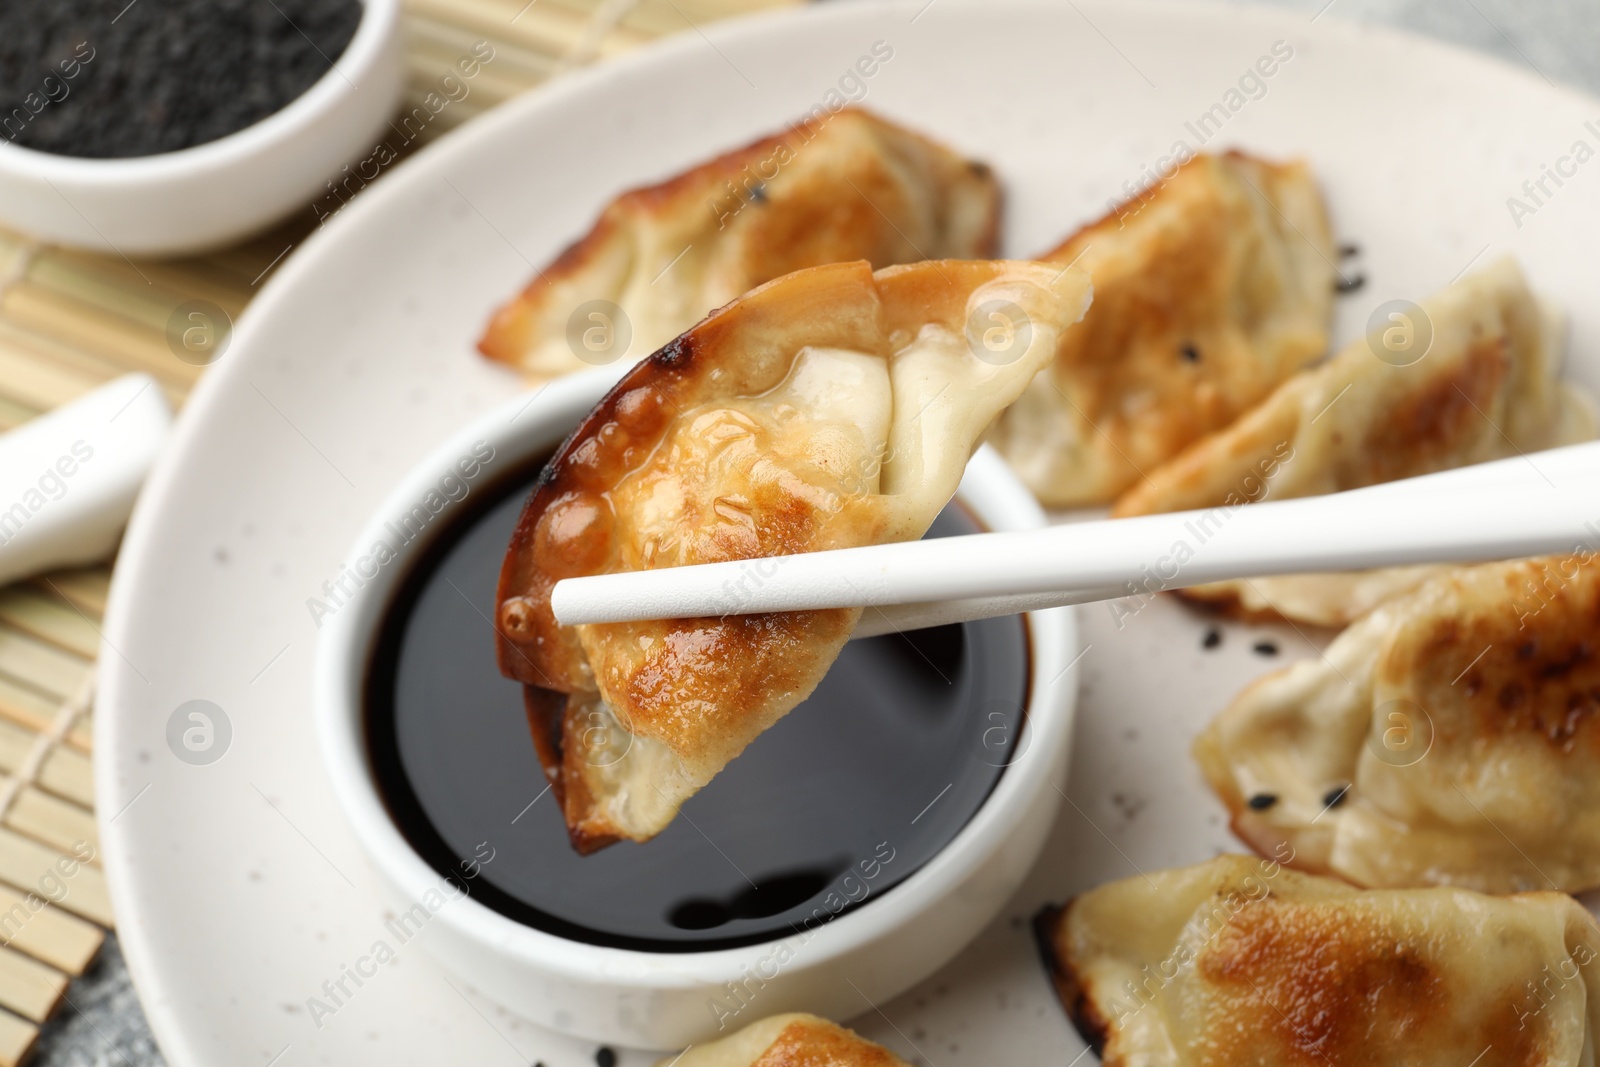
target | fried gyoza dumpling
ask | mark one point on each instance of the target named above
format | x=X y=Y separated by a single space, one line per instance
x=1451 y=737
x=830 y=408
x=1241 y=961
x=788 y=1041
x=832 y=189
x=1484 y=388
x=1210 y=290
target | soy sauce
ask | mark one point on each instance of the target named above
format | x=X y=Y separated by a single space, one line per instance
x=841 y=801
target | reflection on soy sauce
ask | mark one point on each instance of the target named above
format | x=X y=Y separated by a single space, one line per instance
x=768 y=896
x=913 y=659
x=844 y=798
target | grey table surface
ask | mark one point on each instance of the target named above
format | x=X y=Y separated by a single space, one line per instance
x=103 y=1026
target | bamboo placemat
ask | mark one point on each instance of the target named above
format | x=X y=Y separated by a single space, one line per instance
x=71 y=321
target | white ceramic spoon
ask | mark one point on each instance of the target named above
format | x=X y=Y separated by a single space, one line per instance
x=68 y=478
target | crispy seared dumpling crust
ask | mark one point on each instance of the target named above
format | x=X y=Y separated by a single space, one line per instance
x=832 y=189
x=788 y=1041
x=833 y=407
x=1243 y=962
x=1457 y=727
x=1485 y=389
x=1210 y=290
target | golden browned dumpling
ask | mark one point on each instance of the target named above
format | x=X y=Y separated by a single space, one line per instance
x=830 y=408
x=788 y=1041
x=1210 y=290
x=1243 y=962
x=1485 y=388
x=1451 y=737
x=835 y=188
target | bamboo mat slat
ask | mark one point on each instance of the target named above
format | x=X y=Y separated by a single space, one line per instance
x=140 y=296
x=85 y=589
x=66 y=369
x=548 y=28
x=13 y=414
x=54 y=621
x=435 y=46
x=65 y=773
x=30 y=867
x=16 y=1039
x=133 y=344
x=71 y=321
x=29 y=988
x=27 y=707
x=38 y=383
x=52 y=821
x=47 y=933
x=54 y=672
x=246 y=265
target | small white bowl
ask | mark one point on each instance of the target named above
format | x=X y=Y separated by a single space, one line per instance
x=214 y=193
x=664 y=999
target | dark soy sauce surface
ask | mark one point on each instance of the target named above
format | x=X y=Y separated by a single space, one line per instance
x=844 y=798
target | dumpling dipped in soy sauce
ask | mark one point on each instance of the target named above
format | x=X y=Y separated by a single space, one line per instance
x=831 y=408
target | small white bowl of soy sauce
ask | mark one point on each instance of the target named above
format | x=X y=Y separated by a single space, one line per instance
x=156 y=129
x=848 y=853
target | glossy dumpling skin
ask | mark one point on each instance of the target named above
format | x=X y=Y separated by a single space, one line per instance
x=1465 y=719
x=1244 y=962
x=830 y=408
x=1210 y=290
x=1486 y=389
x=795 y=1040
x=831 y=189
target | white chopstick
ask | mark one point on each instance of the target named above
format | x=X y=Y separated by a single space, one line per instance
x=1512 y=508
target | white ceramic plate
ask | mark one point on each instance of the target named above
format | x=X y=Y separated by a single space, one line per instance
x=237 y=886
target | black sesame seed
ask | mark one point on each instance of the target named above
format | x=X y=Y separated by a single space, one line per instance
x=1348 y=250
x=1212 y=639
x=1191 y=353
x=1263 y=801
x=1265 y=648
x=113 y=79
x=1350 y=285
x=605 y=1057
x=1335 y=796
x=758 y=194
